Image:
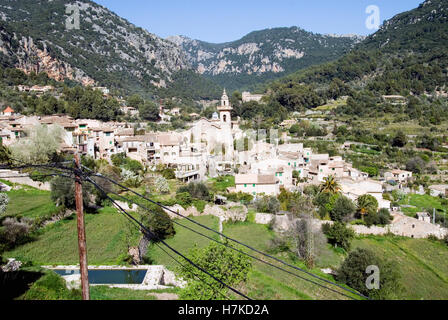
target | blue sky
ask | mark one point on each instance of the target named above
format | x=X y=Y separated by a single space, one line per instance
x=229 y=20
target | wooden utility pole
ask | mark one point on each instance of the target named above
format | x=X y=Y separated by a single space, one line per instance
x=81 y=231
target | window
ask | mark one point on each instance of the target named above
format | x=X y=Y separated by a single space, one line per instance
x=254 y=185
x=245 y=186
x=281 y=174
x=107 y=134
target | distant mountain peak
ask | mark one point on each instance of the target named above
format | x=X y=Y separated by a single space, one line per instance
x=263 y=54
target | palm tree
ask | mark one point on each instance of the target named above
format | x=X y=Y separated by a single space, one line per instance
x=367 y=204
x=330 y=185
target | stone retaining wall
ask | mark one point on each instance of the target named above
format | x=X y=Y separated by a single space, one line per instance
x=401 y=226
x=24 y=179
x=229 y=212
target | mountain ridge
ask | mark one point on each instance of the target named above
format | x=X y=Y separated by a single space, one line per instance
x=407 y=55
x=263 y=54
x=106 y=50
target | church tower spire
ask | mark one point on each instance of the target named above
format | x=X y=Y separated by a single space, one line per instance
x=225 y=110
x=225 y=99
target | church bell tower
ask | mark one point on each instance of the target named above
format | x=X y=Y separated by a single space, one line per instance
x=225 y=110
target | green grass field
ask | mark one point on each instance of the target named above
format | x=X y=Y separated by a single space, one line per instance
x=218 y=185
x=184 y=240
x=30 y=203
x=422 y=263
x=108 y=235
x=264 y=282
x=422 y=203
x=331 y=106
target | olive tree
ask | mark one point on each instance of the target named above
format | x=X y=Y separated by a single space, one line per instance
x=162 y=185
x=353 y=272
x=40 y=146
x=223 y=263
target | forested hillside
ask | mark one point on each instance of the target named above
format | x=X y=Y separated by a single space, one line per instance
x=408 y=56
x=105 y=50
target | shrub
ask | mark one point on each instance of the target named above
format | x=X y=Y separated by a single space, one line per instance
x=14 y=232
x=268 y=204
x=197 y=190
x=118 y=159
x=384 y=217
x=433 y=238
x=381 y=218
x=311 y=190
x=339 y=235
x=229 y=266
x=51 y=287
x=168 y=174
x=353 y=272
x=279 y=244
x=184 y=199
x=133 y=165
x=158 y=222
x=4 y=200
x=63 y=192
x=245 y=198
x=344 y=210
x=416 y=165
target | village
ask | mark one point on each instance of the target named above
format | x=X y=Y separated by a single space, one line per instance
x=262 y=163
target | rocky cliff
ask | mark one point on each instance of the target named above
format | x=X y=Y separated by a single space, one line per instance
x=103 y=48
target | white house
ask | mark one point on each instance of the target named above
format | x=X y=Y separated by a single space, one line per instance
x=257 y=184
x=439 y=190
x=399 y=176
x=355 y=189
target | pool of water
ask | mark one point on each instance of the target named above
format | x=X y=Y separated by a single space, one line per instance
x=110 y=276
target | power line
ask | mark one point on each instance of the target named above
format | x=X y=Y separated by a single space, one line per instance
x=164 y=243
x=229 y=238
x=168 y=254
x=233 y=248
x=37 y=176
x=196 y=276
x=79 y=172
